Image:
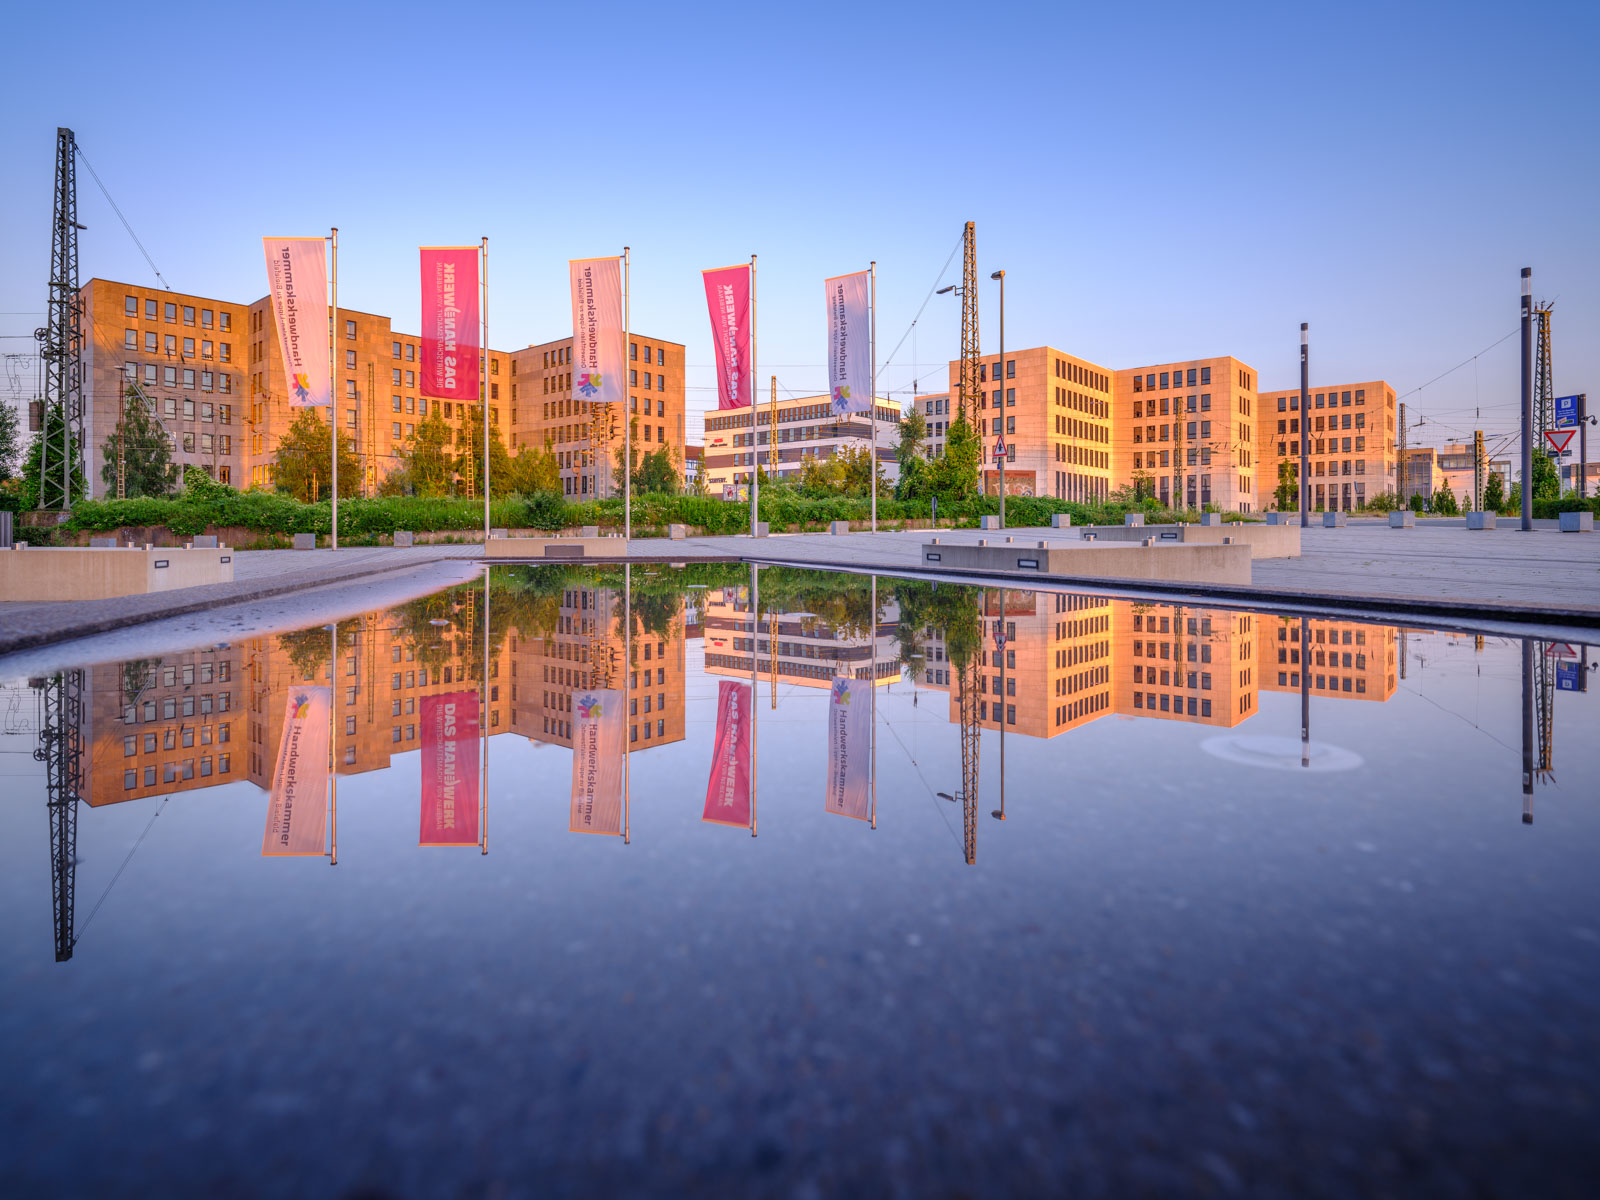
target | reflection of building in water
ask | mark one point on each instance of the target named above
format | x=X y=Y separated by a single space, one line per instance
x=162 y=725
x=583 y=649
x=799 y=646
x=1345 y=658
x=1182 y=663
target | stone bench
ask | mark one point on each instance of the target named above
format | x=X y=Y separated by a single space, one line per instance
x=1402 y=518
x=1333 y=520
x=837 y=527
x=1480 y=520
x=988 y=522
x=305 y=541
x=677 y=532
x=1061 y=521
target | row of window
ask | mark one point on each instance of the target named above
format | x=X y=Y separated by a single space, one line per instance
x=1323 y=423
x=1147 y=701
x=222 y=319
x=171 y=738
x=1323 y=400
x=792 y=413
x=172 y=707
x=1084 y=377
x=1083 y=707
x=171 y=772
x=1196 y=377
x=172 y=377
x=153 y=344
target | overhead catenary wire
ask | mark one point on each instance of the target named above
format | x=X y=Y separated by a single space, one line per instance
x=95 y=176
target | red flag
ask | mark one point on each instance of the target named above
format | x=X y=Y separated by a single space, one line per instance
x=450 y=339
x=728 y=792
x=449 y=770
x=728 y=299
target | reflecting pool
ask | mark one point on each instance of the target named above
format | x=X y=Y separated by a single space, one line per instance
x=882 y=886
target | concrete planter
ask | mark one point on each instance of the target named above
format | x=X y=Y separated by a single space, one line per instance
x=305 y=541
x=1576 y=522
x=988 y=522
x=1132 y=520
x=1333 y=520
x=1480 y=520
x=836 y=527
x=677 y=532
x=1211 y=518
x=404 y=537
x=1402 y=518
x=1282 y=518
x=1061 y=521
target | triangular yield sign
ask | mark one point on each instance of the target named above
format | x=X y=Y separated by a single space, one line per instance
x=1559 y=438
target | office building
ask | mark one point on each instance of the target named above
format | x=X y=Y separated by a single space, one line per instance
x=1186 y=432
x=1352 y=443
x=806 y=429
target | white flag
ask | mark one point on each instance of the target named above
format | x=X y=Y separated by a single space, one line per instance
x=297 y=810
x=849 y=747
x=597 y=354
x=849 y=343
x=597 y=749
x=297 y=282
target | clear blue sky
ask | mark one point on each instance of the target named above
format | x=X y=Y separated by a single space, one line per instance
x=1160 y=181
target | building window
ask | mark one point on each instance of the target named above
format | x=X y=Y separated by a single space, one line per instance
x=1011 y=368
x=350 y=330
x=188 y=314
x=349 y=360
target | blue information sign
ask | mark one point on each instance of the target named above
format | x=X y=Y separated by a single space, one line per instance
x=1569 y=677
x=1566 y=411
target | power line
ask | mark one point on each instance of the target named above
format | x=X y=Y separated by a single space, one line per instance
x=1461 y=364
x=120 y=217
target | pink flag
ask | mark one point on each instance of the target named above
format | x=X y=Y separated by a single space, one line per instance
x=297 y=810
x=297 y=282
x=449 y=770
x=450 y=348
x=597 y=749
x=728 y=299
x=849 y=748
x=728 y=792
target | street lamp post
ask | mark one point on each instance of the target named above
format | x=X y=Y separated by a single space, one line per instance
x=1000 y=371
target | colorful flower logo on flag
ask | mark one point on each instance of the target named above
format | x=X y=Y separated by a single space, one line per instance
x=841 y=397
x=301 y=383
x=589 y=707
x=302 y=705
x=589 y=382
x=841 y=691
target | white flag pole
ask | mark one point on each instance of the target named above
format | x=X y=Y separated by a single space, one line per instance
x=755 y=628
x=627 y=687
x=872 y=705
x=483 y=722
x=483 y=381
x=333 y=384
x=872 y=408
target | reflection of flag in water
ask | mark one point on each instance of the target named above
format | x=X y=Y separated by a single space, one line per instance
x=297 y=811
x=450 y=770
x=728 y=792
x=849 y=748
x=597 y=748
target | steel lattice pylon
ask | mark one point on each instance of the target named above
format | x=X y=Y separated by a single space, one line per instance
x=61 y=750
x=61 y=340
x=971 y=355
x=1544 y=388
x=967 y=675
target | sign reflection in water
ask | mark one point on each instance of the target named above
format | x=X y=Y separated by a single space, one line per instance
x=170 y=725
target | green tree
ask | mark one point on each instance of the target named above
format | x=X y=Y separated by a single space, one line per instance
x=1494 y=493
x=426 y=461
x=954 y=474
x=656 y=473
x=469 y=453
x=303 y=466
x=53 y=430
x=1444 y=502
x=909 y=453
x=535 y=470
x=1417 y=502
x=1546 y=478
x=10 y=439
x=145 y=445
x=1288 y=491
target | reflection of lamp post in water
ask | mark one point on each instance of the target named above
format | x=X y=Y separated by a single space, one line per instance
x=1305 y=692
x=999 y=814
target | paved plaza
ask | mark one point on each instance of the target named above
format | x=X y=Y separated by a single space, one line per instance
x=1438 y=569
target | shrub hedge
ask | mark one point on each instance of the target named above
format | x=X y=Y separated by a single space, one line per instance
x=193 y=511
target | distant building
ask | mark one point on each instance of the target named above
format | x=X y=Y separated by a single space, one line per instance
x=1455 y=461
x=1352 y=451
x=1423 y=474
x=693 y=461
x=806 y=429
